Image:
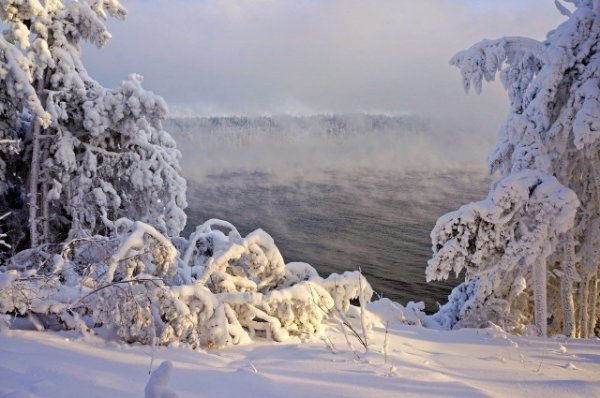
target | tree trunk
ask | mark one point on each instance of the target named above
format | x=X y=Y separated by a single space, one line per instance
x=566 y=286
x=539 y=298
x=34 y=175
x=585 y=315
x=45 y=214
x=44 y=198
x=33 y=184
x=594 y=304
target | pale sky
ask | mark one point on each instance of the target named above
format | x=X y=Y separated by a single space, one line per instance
x=313 y=56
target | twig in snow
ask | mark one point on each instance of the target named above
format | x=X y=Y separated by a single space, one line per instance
x=361 y=299
x=385 y=342
x=253 y=367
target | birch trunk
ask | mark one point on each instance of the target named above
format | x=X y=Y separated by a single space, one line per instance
x=34 y=175
x=539 y=297
x=585 y=316
x=45 y=214
x=594 y=304
x=566 y=286
x=33 y=184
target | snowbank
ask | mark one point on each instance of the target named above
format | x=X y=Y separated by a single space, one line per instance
x=420 y=362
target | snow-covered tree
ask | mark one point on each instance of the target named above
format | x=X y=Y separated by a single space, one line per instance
x=93 y=155
x=551 y=134
x=503 y=243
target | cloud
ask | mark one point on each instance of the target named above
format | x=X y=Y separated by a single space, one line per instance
x=314 y=56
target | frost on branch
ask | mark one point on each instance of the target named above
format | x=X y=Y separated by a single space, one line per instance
x=517 y=60
x=502 y=242
x=552 y=132
x=126 y=161
x=226 y=289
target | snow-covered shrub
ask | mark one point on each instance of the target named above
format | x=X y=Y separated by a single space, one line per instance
x=533 y=244
x=224 y=290
x=413 y=313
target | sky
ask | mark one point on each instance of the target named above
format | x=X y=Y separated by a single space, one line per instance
x=257 y=57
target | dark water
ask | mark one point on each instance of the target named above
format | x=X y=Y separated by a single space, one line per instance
x=379 y=221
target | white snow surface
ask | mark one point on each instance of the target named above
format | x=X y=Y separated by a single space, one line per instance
x=420 y=363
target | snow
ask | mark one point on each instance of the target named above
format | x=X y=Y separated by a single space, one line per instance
x=105 y=165
x=157 y=385
x=420 y=362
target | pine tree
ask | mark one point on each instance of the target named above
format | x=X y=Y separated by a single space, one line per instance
x=92 y=155
x=552 y=130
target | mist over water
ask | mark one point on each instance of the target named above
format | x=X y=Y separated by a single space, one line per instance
x=339 y=192
x=308 y=147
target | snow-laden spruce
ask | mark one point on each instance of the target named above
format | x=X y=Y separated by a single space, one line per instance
x=502 y=243
x=79 y=162
x=531 y=249
x=90 y=155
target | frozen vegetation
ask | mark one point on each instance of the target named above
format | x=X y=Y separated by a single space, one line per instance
x=531 y=249
x=93 y=208
x=94 y=230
